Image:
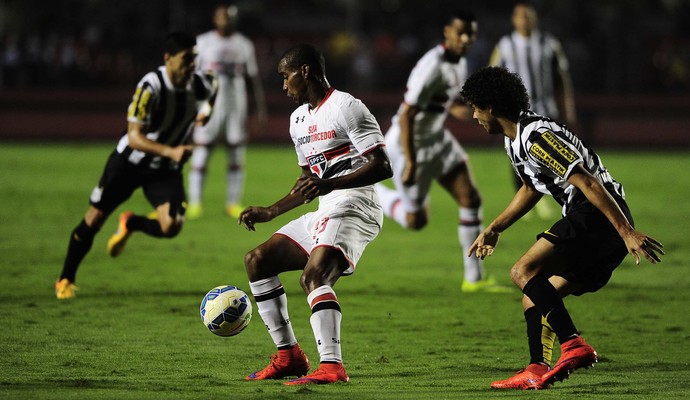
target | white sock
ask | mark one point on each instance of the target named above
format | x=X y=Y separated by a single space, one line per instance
x=272 y=304
x=235 y=175
x=197 y=173
x=469 y=228
x=392 y=206
x=325 y=322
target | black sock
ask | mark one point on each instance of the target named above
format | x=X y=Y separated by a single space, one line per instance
x=533 y=320
x=80 y=242
x=549 y=303
x=150 y=227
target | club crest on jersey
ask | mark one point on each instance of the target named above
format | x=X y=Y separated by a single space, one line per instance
x=317 y=163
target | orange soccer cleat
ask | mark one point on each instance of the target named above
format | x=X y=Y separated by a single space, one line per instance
x=116 y=243
x=326 y=373
x=524 y=379
x=288 y=362
x=575 y=354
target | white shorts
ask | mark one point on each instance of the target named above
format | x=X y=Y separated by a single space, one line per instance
x=433 y=162
x=229 y=119
x=348 y=221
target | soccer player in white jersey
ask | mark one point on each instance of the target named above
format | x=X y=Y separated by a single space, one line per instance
x=578 y=253
x=539 y=59
x=340 y=150
x=149 y=156
x=231 y=57
x=423 y=150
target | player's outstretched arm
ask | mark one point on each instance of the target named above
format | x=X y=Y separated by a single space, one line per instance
x=254 y=214
x=636 y=242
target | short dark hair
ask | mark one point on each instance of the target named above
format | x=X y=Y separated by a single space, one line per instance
x=462 y=15
x=302 y=54
x=498 y=88
x=178 y=41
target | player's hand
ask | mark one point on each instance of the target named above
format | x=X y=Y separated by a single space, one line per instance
x=201 y=119
x=485 y=244
x=181 y=153
x=251 y=215
x=311 y=187
x=638 y=242
x=409 y=176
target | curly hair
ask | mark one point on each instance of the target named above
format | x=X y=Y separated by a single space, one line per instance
x=498 y=88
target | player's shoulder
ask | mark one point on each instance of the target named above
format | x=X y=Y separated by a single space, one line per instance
x=153 y=79
x=433 y=56
x=298 y=112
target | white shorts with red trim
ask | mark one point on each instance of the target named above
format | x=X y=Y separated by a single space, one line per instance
x=347 y=220
x=433 y=161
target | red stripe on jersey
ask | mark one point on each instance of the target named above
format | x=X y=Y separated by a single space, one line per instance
x=338 y=151
x=374 y=148
x=323 y=297
x=328 y=94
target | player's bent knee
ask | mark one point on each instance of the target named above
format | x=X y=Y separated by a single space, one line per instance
x=520 y=274
x=171 y=230
x=417 y=222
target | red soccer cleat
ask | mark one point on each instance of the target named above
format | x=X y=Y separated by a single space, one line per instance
x=326 y=373
x=575 y=354
x=525 y=379
x=289 y=362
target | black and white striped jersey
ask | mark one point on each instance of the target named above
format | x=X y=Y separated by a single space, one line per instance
x=536 y=60
x=544 y=154
x=167 y=112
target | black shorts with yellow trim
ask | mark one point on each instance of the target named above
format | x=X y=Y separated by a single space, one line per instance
x=589 y=245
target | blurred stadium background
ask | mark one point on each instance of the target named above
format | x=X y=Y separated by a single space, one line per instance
x=68 y=68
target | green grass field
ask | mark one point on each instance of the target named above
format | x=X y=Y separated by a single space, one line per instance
x=134 y=331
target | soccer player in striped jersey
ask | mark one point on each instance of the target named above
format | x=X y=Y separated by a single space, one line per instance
x=578 y=253
x=231 y=57
x=423 y=150
x=340 y=150
x=538 y=58
x=149 y=156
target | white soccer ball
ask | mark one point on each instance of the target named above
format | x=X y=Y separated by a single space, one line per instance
x=226 y=310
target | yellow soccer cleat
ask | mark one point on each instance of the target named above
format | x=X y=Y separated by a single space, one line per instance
x=116 y=243
x=487 y=285
x=64 y=289
x=234 y=210
x=194 y=211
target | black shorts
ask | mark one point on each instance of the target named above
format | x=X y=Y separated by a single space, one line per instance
x=121 y=178
x=589 y=245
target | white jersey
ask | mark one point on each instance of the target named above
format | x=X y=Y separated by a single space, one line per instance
x=433 y=85
x=333 y=138
x=544 y=154
x=167 y=113
x=231 y=59
x=534 y=59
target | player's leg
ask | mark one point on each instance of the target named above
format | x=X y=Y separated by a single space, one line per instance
x=530 y=275
x=204 y=137
x=236 y=139
x=165 y=192
x=263 y=264
x=235 y=175
x=79 y=245
x=459 y=182
x=115 y=186
x=197 y=176
x=326 y=264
